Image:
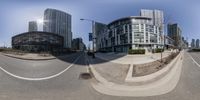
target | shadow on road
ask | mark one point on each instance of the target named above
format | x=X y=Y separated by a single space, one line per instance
x=83 y=56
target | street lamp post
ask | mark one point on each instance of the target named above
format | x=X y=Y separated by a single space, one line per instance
x=93 y=37
x=163 y=46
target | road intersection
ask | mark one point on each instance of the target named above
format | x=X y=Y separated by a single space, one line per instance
x=69 y=86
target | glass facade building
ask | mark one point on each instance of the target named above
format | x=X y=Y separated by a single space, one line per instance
x=197 y=43
x=32 y=26
x=157 y=16
x=58 y=22
x=36 y=41
x=175 y=32
x=193 y=43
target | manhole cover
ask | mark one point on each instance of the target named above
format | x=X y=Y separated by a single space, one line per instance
x=85 y=76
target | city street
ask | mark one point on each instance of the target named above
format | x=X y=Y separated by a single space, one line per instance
x=99 y=50
x=68 y=85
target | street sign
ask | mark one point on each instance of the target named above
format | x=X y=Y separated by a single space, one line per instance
x=90 y=37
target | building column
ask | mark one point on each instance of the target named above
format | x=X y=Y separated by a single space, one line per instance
x=149 y=37
x=128 y=34
x=115 y=35
x=157 y=33
x=144 y=33
x=133 y=45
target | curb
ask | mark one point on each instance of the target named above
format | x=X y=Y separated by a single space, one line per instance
x=28 y=58
x=162 y=86
x=154 y=76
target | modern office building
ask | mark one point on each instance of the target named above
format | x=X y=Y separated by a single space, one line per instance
x=58 y=22
x=130 y=33
x=32 y=26
x=175 y=32
x=77 y=44
x=133 y=32
x=169 y=42
x=36 y=41
x=197 y=43
x=99 y=27
x=193 y=43
x=184 y=43
x=157 y=17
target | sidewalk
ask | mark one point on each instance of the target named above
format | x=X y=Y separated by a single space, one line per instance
x=30 y=56
x=110 y=78
x=123 y=58
x=113 y=72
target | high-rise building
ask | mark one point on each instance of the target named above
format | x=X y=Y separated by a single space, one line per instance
x=32 y=26
x=131 y=32
x=193 y=43
x=58 y=22
x=99 y=27
x=184 y=43
x=77 y=44
x=174 y=32
x=197 y=43
x=157 y=16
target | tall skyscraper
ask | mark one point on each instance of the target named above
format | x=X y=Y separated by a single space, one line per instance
x=77 y=44
x=175 y=32
x=197 y=43
x=193 y=43
x=99 y=28
x=58 y=22
x=157 y=16
x=32 y=26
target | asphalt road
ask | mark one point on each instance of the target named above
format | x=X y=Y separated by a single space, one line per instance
x=68 y=86
x=35 y=69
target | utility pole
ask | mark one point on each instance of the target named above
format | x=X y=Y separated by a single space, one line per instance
x=163 y=37
x=93 y=35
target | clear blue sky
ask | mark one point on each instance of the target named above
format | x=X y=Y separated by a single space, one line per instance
x=15 y=14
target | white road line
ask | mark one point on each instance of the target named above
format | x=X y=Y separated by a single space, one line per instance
x=44 y=78
x=194 y=60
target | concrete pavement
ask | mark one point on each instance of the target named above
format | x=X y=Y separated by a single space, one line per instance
x=123 y=58
x=30 y=56
x=160 y=82
x=35 y=69
x=68 y=86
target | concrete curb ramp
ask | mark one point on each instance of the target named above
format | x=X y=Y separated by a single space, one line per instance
x=166 y=83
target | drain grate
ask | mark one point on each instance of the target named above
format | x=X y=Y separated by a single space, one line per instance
x=85 y=76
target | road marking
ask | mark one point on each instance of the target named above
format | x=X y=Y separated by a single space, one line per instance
x=194 y=60
x=44 y=78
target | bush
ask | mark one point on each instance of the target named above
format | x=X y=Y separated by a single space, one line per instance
x=157 y=50
x=196 y=50
x=89 y=53
x=136 y=51
x=1 y=50
x=102 y=51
